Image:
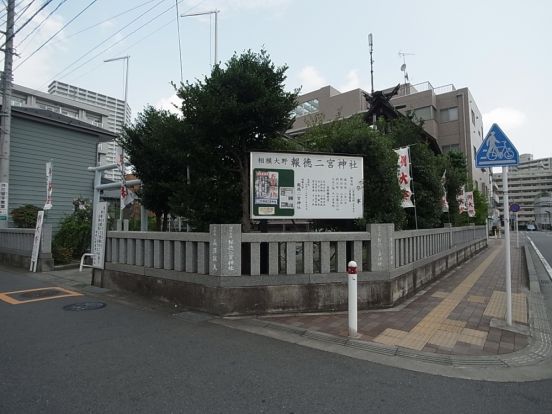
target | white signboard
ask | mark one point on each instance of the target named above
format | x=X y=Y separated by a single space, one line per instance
x=3 y=201
x=99 y=235
x=306 y=186
x=49 y=187
x=36 y=241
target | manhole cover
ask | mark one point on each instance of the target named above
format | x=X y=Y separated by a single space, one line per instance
x=38 y=294
x=84 y=306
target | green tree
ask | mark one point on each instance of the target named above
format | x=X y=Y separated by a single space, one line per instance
x=150 y=145
x=239 y=108
x=481 y=208
x=353 y=136
x=454 y=163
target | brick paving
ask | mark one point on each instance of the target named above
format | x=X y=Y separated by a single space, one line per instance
x=452 y=317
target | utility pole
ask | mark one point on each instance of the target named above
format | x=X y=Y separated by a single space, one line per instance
x=5 y=116
x=371 y=43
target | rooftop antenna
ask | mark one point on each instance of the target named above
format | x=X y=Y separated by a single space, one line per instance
x=371 y=43
x=403 y=69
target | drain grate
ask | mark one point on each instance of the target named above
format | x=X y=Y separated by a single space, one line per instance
x=84 y=306
x=39 y=294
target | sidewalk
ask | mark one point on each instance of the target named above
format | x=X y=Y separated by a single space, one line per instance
x=453 y=316
x=455 y=327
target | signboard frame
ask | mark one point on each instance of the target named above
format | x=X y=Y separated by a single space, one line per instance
x=36 y=240
x=285 y=185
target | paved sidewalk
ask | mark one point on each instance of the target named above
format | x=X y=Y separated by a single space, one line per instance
x=453 y=316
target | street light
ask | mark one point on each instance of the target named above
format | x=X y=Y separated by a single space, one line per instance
x=215 y=12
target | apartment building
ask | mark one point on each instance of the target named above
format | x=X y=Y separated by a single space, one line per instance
x=31 y=98
x=119 y=114
x=526 y=184
x=449 y=115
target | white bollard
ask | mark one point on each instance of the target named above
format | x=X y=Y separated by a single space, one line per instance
x=353 y=298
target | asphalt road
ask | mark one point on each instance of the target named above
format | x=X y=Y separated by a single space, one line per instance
x=127 y=358
x=543 y=241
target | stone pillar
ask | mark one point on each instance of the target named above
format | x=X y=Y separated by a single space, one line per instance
x=382 y=247
x=225 y=249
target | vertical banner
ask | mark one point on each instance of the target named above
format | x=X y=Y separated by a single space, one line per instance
x=49 y=186
x=470 y=204
x=36 y=241
x=461 y=198
x=99 y=235
x=444 y=201
x=403 y=176
x=3 y=201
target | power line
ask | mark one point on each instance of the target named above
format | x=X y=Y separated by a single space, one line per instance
x=56 y=33
x=28 y=21
x=95 y=47
x=163 y=26
x=21 y=13
x=40 y=24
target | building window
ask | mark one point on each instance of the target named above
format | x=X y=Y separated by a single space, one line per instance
x=449 y=114
x=306 y=108
x=424 y=113
x=18 y=100
x=473 y=117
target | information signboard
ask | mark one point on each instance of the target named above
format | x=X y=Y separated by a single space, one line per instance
x=306 y=186
x=36 y=240
x=99 y=235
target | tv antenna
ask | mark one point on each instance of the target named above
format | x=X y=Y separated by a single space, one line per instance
x=403 y=66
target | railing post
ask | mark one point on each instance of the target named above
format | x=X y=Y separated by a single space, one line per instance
x=449 y=226
x=382 y=247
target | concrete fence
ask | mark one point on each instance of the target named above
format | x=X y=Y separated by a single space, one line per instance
x=226 y=271
x=16 y=247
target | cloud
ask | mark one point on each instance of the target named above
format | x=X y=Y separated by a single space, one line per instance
x=310 y=79
x=352 y=81
x=169 y=104
x=506 y=118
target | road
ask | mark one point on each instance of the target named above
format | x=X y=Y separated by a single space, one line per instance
x=128 y=357
x=543 y=241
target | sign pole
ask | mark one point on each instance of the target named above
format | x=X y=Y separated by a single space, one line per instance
x=507 y=247
x=517 y=230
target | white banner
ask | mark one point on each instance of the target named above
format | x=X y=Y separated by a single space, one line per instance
x=99 y=235
x=36 y=241
x=306 y=186
x=461 y=198
x=403 y=176
x=470 y=204
x=4 y=201
x=444 y=201
x=49 y=187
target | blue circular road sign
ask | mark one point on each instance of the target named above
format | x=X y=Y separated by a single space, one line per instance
x=514 y=208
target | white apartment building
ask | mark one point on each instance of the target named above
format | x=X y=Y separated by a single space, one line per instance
x=118 y=115
x=526 y=183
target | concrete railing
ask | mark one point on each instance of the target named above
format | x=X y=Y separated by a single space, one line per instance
x=226 y=251
x=16 y=247
x=181 y=252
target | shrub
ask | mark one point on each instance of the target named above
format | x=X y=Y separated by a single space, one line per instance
x=25 y=216
x=73 y=236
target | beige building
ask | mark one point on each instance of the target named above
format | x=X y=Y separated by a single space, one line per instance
x=450 y=115
x=526 y=183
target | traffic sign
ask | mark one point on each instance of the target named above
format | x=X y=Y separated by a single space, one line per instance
x=496 y=150
x=514 y=208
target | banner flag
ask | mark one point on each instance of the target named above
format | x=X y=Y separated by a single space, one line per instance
x=461 y=198
x=49 y=185
x=403 y=176
x=444 y=202
x=470 y=204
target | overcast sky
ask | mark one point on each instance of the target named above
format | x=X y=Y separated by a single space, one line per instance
x=498 y=49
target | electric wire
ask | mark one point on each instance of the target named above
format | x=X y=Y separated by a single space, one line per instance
x=97 y=46
x=28 y=21
x=118 y=41
x=55 y=34
x=41 y=23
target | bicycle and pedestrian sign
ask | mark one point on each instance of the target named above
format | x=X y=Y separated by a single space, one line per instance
x=496 y=150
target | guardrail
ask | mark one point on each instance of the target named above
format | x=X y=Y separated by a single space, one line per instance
x=16 y=247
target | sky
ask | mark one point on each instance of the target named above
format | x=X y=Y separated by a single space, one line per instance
x=498 y=49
